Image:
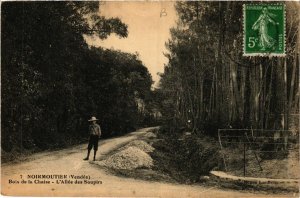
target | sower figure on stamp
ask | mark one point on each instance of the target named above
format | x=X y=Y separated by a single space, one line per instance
x=95 y=133
x=265 y=40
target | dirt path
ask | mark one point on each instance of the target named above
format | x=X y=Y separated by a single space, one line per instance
x=69 y=162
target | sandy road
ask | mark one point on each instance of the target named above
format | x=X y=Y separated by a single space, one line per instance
x=68 y=162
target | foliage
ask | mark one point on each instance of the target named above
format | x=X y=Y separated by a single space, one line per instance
x=208 y=84
x=187 y=158
x=53 y=82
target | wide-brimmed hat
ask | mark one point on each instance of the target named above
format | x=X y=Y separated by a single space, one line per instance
x=93 y=119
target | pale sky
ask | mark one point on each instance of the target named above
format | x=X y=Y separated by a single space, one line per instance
x=148 y=30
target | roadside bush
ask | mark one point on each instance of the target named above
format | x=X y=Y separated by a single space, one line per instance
x=197 y=156
x=188 y=158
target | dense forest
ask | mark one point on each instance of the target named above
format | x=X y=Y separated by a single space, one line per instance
x=208 y=84
x=52 y=82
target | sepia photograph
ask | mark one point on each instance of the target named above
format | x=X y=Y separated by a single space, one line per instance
x=160 y=99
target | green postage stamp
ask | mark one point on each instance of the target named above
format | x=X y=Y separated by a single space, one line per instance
x=264 y=29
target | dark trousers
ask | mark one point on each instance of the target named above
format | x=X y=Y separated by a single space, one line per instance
x=93 y=142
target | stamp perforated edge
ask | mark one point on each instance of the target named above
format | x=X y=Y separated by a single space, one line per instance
x=245 y=54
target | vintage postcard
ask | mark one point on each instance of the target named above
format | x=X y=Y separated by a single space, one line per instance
x=150 y=98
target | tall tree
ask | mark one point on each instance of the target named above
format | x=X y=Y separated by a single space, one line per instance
x=209 y=84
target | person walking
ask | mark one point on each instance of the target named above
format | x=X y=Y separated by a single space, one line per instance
x=95 y=133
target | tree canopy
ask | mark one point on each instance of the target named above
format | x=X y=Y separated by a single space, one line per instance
x=53 y=82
